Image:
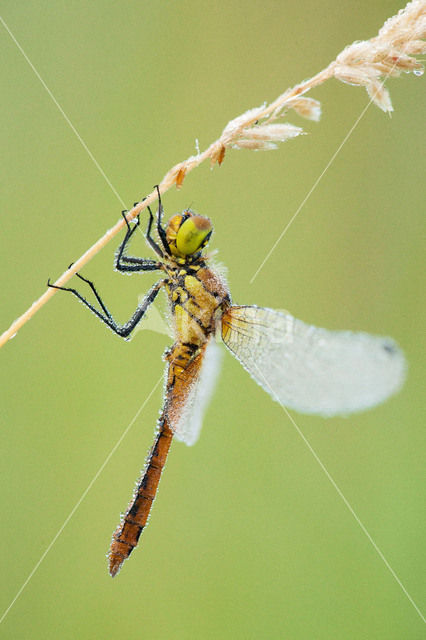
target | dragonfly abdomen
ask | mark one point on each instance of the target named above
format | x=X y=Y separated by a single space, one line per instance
x=126 y=537
x=182 y=359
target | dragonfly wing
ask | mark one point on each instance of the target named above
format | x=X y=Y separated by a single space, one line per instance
x=191 y=394
x=309 y=369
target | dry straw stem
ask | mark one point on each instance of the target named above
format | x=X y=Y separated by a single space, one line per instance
x=367 y=63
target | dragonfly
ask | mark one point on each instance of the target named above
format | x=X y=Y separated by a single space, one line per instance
x=305 y=368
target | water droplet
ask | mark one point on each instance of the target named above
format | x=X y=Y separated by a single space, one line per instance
x=418 y=72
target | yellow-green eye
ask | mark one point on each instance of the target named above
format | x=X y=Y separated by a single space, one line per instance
x=192 y=234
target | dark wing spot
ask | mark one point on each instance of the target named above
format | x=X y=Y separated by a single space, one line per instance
x=390 y=348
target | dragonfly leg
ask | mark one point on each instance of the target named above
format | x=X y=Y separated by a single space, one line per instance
x=160 y=229
x=131 y=264
x=122 y=330
x=149 y=238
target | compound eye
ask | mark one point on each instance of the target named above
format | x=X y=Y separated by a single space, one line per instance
x=193 y=234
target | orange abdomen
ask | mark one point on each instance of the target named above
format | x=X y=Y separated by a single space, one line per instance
x=126 y=537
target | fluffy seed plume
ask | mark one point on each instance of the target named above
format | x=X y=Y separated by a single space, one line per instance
x=390 y=53
x=266 y=136
x=306 y=107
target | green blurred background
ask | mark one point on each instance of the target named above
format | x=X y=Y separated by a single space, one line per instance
x=248 y=538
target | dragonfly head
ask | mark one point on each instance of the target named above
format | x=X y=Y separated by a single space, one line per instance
x=188 y=233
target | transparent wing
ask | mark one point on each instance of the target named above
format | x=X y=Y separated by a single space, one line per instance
x=190 y=400
x=309 y=369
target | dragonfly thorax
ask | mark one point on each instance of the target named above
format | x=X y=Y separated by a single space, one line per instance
x=188 y=233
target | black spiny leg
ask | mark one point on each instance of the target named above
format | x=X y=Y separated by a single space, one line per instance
x=122 y=330
x=132 y=264
x=149 y=238
x=160 y=230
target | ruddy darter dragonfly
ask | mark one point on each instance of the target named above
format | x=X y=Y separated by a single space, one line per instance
x=303 y=367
